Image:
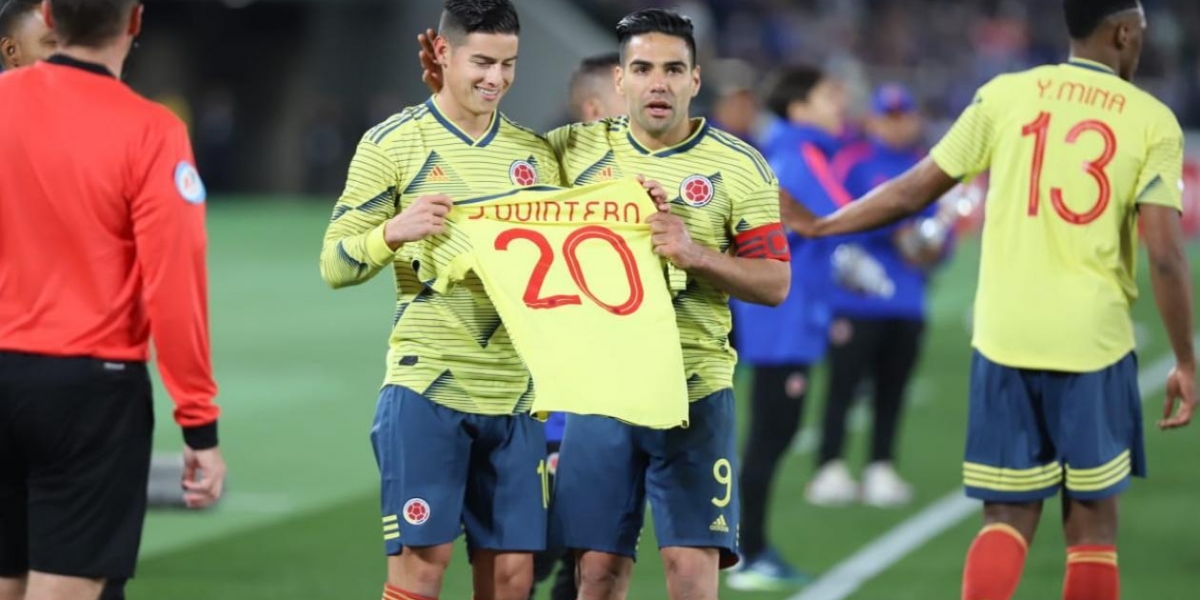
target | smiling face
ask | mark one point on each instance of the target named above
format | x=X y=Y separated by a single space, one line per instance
x=479 y=69
x=658 y=79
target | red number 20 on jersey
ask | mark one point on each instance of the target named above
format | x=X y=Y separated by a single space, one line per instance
x=533 y=297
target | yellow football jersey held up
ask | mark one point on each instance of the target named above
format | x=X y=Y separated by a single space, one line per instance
x=1073 y=150
x=452 y=348
x=726 y=194
x=581 y=292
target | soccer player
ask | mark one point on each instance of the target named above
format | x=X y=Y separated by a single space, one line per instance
x=593 y=96
x=593 y=91
x=1077 y=154
x=24 y=36
x=721 y=227
x=81 y=293
x=453 y=439
x=783 y=343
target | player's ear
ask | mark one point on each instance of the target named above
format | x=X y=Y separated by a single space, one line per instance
x=135 y=20
x=1120 y=36
x=619 y=79
x=8 y=52
x=441 y=50
x=47 y=16
x=591 y=110
x=695 y=81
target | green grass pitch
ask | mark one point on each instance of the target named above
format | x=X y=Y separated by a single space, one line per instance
x=299 y=366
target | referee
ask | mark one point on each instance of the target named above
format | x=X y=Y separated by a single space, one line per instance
x=102 y=246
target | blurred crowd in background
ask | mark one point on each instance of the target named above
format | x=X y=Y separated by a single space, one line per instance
x=941 y=49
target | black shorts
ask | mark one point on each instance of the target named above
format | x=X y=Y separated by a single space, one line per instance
x=75 y=440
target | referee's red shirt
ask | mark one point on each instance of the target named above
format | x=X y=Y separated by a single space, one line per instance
x=102 y=241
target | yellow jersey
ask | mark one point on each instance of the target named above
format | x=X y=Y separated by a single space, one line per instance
x=1073 y=150
x=452 y=347
x=727 y=195
x=575 y=279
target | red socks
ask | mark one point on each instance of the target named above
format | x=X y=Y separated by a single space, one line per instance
x=1091 y=573
x=994 y=564
x=391 y=592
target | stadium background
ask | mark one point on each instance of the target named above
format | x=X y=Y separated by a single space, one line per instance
x=276 y=93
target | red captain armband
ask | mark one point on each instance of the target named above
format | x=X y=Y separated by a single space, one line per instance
x=768 y=241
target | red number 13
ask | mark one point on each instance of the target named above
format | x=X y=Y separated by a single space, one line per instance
x=1040 y=129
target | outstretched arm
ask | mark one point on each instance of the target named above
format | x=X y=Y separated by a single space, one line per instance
x=902 y=197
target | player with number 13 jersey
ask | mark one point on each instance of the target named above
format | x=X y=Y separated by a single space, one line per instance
x=1078 y=155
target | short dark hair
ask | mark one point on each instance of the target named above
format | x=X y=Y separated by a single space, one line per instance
x=1085 y=16
x=656 y=20
x=461 y=18
x=11 y=11
x=591 y=69
x=90 y=23
x=595 y=65
x=790 y=84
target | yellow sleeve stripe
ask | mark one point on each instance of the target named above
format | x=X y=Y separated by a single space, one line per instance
x=1006 y=529
x=392 y=527
x=377 y=133
x=390 y=519
x=391 y=536
x=738 y=146
x=1159 y=193
x=944 y=159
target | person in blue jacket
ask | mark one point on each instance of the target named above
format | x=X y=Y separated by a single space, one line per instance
x=783 y=343
x=879 y=307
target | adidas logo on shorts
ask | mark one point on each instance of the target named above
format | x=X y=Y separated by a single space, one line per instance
x=720 y=525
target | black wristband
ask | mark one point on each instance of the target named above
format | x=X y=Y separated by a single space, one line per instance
x=202 y=437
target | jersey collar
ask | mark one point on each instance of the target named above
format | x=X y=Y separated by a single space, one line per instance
x=67 y=61
x=1090 y=65
x=687 y=144
x=488 y=135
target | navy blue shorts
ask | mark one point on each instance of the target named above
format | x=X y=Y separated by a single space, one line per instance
x=444 y=471
x=607 y=470
x=1031 y=433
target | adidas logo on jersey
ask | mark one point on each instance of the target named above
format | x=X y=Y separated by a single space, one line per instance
x=720 y=525
x=437 y=175
x=606 y=174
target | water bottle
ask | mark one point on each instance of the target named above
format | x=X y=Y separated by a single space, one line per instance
x=856 y=270
x=931 y=233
